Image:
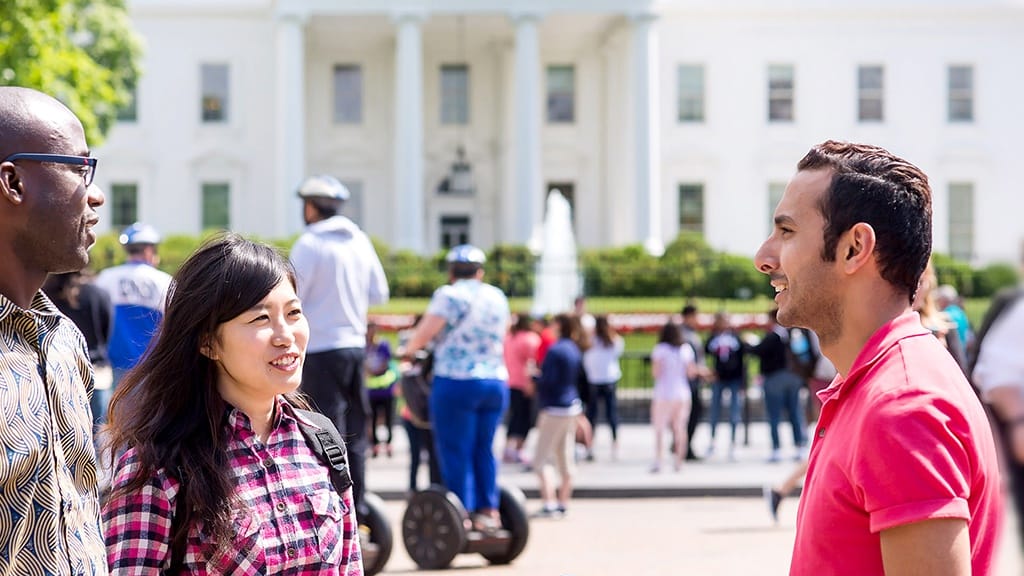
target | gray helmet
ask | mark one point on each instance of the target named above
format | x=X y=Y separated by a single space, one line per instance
x=323 y=186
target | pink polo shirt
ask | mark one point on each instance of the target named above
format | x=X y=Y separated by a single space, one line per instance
x=902 y=438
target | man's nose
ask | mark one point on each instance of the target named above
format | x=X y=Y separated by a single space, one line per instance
x=766 y=259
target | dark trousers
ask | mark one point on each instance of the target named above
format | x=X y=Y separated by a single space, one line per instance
x=1016 y=471
x=333 y=380
x=382 y=406
x=604 y=394
x=696 y=413
x=421 y=440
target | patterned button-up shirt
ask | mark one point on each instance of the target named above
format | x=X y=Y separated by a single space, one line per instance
x=49 y=504
x=287 y=517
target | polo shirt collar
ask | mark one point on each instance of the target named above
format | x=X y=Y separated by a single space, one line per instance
x=905 y=325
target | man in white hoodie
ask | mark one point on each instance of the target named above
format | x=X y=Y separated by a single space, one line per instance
x=339 y=277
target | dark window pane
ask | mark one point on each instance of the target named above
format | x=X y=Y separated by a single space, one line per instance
x=216 y=206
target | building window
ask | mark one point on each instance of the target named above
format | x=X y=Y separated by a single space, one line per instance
x=216 y=205
x=691 y=208
x=775 y=192
x=454 y=94
x=961 y=220
x=129 y=112
x=568 y=191
x=780 y=93
x=691 y=93
x=454 y=230
x=215 y=81
x=961 y=93
x=353 y=207
x=561 y=85
x=348 y=94
x=870 y=90
x=124 y=204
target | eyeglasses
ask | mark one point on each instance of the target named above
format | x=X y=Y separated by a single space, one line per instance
x=87 y=161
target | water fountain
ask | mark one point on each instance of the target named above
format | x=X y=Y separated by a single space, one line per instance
x=557 y=280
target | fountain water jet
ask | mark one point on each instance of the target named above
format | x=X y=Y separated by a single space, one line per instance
x=557 y=280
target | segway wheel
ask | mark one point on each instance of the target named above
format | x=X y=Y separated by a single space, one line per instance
x=432 y=528
x=512 y=508
x=376 y=534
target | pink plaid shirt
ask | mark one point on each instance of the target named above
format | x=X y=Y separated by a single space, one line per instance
x=288 y=518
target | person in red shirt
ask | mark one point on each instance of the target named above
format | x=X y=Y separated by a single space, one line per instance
x=902 y=476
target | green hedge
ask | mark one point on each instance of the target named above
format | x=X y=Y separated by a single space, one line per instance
x=688 y=268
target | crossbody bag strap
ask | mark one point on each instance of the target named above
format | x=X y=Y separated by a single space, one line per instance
x=325 y=441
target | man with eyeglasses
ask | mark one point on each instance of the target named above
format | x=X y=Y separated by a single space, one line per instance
x=49 y=505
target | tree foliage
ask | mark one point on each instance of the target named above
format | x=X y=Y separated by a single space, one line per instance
x=82 y=52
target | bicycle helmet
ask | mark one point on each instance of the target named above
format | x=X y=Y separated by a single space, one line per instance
x=323 y=186
x=139 y=233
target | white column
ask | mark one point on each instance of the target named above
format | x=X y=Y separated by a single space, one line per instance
x=290 y=87
x=646 y=132
x=528 y=180
x=409 y=132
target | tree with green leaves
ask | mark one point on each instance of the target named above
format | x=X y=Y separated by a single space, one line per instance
x=82 y=52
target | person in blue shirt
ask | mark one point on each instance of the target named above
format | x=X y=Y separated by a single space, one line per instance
x=558 y=406
x=137 y=292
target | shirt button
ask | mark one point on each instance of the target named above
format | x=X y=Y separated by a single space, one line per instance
x=821 y=433
x=291 y=552
x=281 y=506
x=268 y=462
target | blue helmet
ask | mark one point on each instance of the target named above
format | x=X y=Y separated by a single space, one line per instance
x=323 y=186
x=466 y=254
x=139 y=233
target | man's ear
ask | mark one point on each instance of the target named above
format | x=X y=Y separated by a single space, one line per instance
x=10 y=184
x=856 y=247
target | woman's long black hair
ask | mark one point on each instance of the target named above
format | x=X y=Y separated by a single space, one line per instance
x=167 y=408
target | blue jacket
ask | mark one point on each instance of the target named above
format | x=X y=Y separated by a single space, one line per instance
x=556 y=385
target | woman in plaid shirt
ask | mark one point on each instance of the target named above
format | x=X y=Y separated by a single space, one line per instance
x=212 y=403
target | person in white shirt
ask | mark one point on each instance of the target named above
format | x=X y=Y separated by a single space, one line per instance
x=601 y=363
x=339 y=278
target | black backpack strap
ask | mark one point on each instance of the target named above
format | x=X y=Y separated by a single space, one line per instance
x=325 y=441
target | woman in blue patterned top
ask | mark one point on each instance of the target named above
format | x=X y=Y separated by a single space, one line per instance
x=469 y=392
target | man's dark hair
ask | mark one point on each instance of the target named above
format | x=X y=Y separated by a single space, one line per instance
x=871 y=185
x=689 y=310
x=462 y=270
x=325 y=207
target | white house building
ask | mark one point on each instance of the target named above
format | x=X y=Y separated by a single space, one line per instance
x=650 y=116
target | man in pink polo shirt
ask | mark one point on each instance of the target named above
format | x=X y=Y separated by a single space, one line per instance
x=902 y=476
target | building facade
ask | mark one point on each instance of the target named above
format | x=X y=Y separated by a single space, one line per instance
x=451 y=119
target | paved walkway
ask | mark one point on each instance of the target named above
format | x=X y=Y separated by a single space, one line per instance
x=628 y=476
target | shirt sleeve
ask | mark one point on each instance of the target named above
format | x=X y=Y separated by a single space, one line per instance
x=303 y=257
x=138 y=524
x=915 y=464
x=1000 y=362
x=440 y=303
x=379 y=292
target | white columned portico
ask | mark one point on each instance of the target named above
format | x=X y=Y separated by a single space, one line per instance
x=527 y=125
x=291 y=119
x=409 y=131
x=646 y=131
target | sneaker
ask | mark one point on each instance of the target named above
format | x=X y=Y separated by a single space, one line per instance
x=773 y=498
x=775 y=457
x=590 y=456
x=549 y=511
x=710 y=452
x=655 y=468
x=562 y=509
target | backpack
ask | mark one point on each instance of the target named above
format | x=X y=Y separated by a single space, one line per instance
x=323 y=439
x=801 y=355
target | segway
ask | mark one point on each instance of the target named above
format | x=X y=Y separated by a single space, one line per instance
x=434 y=528
x=375 y=536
